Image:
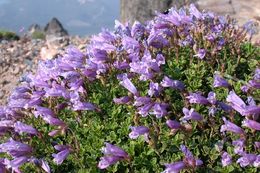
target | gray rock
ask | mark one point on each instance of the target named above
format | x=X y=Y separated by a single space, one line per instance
x=54 y=27
x=34 y=28
x=1 y=94
x=16 y=70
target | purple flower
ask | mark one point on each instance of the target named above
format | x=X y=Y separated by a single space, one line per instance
x=252 y=110
x=245 y=88
x=41 y=163
x=250 y=28
x=113 y=150
x=172 y=124
x=112 y=154
x=154 y=89
x=139 y=101
x=224 y=107
x=53 y=121
x=257 y=74
x=251 y=101
x=254 y=84
x=121 y=65
x=106 y=161
x=98 y=55
x=157 y=40
x=239 y=146
x=175 y=167
x=212 y=111
x=63 y=153
x=239 y=105
x=195 y=12
x=191 y=115
x=43 y=111
x=130 y=45
x=175 y=84
x=138 y=30
x=189 y=159
x=78 y=105
x=201 y=53
x=212 y=98
x=251 y=124
x=160 y=109
x=15 y=149
x=17 y=162
x=144 y=110
x=257 y=161
x=20 y=128
x=137 y=131
x=2 y=166
x=197 y=98
x=6 y=125
x=220 y=82
x=128 y=85
x=247 y=159
x=228 y=126
x=122 y=100
x=226 y=159
x=257 y=145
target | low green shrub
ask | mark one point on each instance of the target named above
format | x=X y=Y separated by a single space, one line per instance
x=179 y=94
x=8 y=35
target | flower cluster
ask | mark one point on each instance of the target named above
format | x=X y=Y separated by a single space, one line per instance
x=140 y=59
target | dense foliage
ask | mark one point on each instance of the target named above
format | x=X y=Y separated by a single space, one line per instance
x=178 y=93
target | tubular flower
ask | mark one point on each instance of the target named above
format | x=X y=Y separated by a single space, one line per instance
x=247 y=159
x=239 y=146
x=172 y=124
x=122 y=100
x=226 y=159
x=189 y=159
x=239 y=105
x=191 y=115
x=197 y=98
x=15 y=149
x=63 y=153
x=20 y=128
x=125 y=82
x=137 y=131
x=113 y=154
x=228 y=126
x=251 y=124
x=236 y=102
x=175 y=84
x=175 y=167
x=220 y=82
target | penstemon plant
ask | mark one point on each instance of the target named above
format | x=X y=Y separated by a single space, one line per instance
x=177 y=94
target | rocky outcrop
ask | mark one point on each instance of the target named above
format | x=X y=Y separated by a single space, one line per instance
x=54 y=27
